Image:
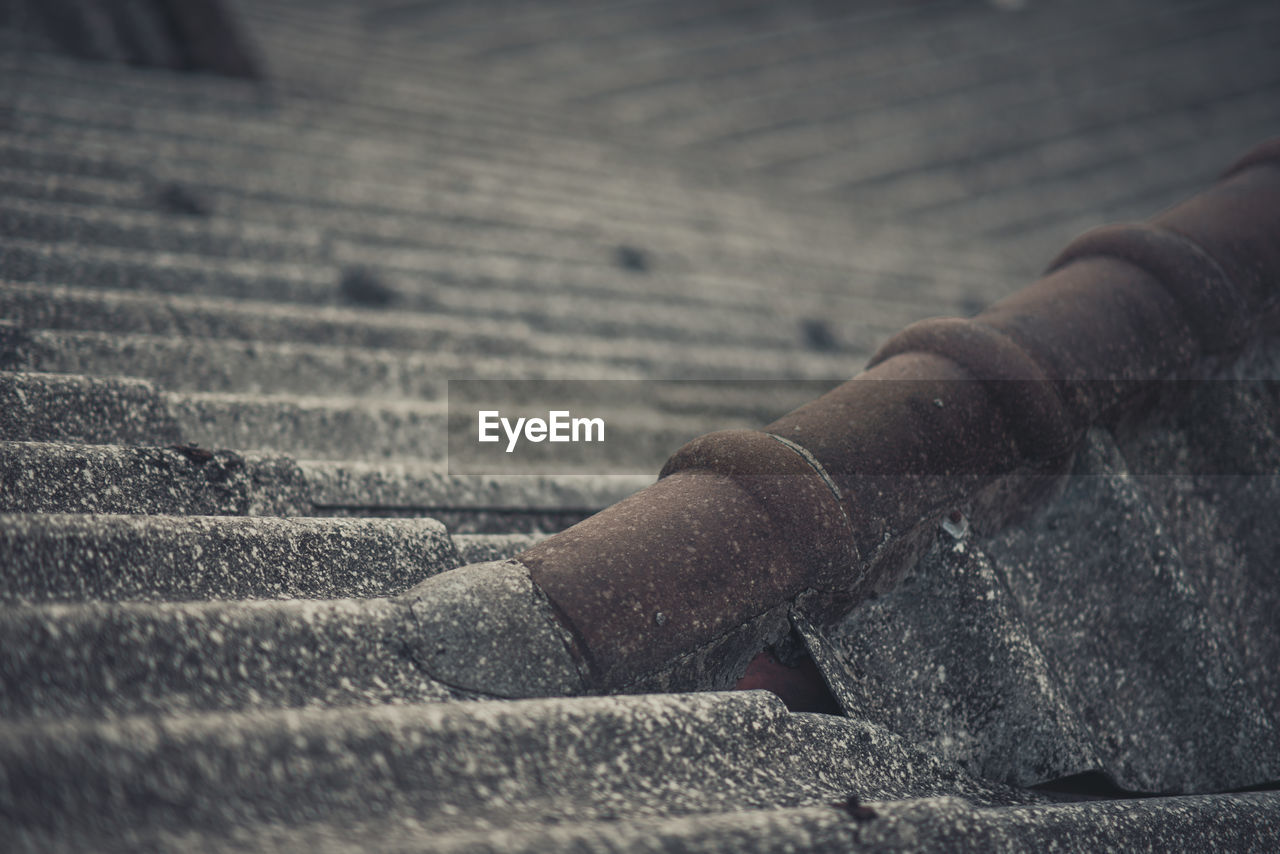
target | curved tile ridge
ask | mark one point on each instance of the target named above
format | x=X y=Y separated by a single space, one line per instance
x=1263 y=153
x=1024 y=395
x=737 y=519
x=1212 y=305
x=676 y=586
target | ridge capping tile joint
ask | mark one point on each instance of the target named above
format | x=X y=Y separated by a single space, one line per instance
x=835 y=499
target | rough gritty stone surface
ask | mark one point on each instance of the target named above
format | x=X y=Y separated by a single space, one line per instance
x=481 y=548
x=135 y=658
x=1159 y=682
x=193 y=232
x=128 y=312
x=113 y=558
x=1075 y=641
x=453 y=768
x=485 y=341
x=483 y=503
x=717 y=666
x=37 y=477
x=256 y=367
x=52 y=407
x=947 y=660
x=47 y=477
x=1208 y=823
x=587 y=350
x=486 y=628
x=315 y=428
x=1219 y=513
x=75 y=408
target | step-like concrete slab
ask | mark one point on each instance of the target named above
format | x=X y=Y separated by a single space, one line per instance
x=82 y=557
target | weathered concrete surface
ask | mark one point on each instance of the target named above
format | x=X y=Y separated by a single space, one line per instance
x=437 y=190
x=482 y=548
x=452 y=768
x=51 y=407
x=473 y=622
x=1075 y=641
x=1218 y=514
x=68 y=661
x=48 y=477
x=1157 y=678
x=947 y=660
x=72 y=558
x=40 y=477
x=315 y=428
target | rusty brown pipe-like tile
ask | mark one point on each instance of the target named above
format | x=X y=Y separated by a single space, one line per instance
x=831 y=501
x=740 y=519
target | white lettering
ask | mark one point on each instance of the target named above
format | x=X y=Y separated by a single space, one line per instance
x=559 y=422
x=488 y=421
x=513 y=435
x=558 y=427
x=587 y=424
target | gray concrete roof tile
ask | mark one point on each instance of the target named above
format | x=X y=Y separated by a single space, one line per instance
x=176 y=246
x=105 y=558
x=460 y=768
x=92 y=660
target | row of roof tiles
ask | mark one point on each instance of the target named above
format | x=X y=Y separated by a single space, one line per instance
x=229 y=724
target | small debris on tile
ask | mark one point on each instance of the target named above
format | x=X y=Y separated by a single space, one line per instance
x=857 y=810
x=631 y=259
x=817 y=335
x=195 y=453
x=172 y=197
x=362 y=286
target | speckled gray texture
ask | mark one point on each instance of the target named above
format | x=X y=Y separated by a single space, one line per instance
x=466 y=503
x=1220 y=823
x=271 y=367
x=136 y=658
x=196 y=233
x=38 y=477
x=462 y=332
x=466 y=769
x=52 y=407
x=48 y=557
x=314 y=428
x=480 y=548
x=485 y=628
x=76 y=408
x=718 y=665
x=1157 y=678
x=290 y=361
x=947 y=660
x=1075 y=641
x=1200 y=823
x=755 y=344
x=205 y=316
x=1223 y=524
x=227 y=366
x=49 y=477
